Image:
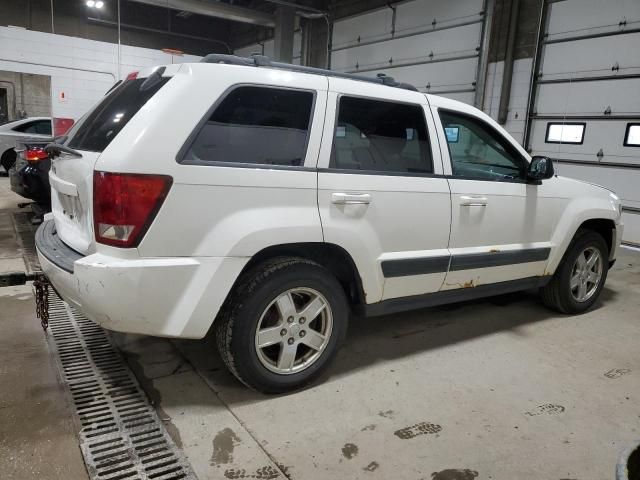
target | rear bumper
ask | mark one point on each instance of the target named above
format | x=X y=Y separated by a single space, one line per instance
x=168 y=297
x=32 y=182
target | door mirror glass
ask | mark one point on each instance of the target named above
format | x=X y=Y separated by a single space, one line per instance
x=540 y=168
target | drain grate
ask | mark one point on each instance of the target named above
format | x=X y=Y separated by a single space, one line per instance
x=121 y=436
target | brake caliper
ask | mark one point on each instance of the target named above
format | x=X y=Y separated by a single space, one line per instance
x=41 y=284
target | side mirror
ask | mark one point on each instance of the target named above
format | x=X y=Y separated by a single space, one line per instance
x=540 y=168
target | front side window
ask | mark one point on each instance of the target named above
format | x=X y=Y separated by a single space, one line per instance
x=381 y=136
x=256 y=125
x=478 y=151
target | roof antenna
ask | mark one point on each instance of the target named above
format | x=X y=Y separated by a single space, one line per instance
x=386 y=80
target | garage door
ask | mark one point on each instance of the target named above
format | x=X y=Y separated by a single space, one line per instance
x=431 y=44
x=267 y=48
x=586 y=109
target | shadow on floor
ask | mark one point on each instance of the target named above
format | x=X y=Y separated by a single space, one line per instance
x=387 y=338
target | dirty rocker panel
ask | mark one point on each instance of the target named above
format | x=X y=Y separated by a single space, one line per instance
x=422 y=266
x=53 y=249
x=414 y=302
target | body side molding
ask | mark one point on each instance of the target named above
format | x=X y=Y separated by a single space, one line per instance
x=422 y=266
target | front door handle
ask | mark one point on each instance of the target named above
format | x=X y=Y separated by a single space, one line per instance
x=473 y=201
x=350 y=198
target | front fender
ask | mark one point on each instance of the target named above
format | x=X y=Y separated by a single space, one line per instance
x=578 y=211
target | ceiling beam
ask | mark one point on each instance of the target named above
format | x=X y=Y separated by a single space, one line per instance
x=216 y=9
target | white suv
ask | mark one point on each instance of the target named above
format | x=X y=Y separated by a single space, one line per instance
x=273 y=200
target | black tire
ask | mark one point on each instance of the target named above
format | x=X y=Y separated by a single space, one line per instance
x=557 y=293
x=8 y=159
x=236 y=325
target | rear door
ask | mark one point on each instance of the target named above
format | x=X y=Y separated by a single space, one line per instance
x=380 y=191
x=71 y=177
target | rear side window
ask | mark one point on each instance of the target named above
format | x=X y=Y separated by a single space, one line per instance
x=256 y=125
x=38 y=126
x=104 y=122
x=381 y=136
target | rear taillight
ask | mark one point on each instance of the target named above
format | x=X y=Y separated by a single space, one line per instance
x=125 y=204
x=34 y=154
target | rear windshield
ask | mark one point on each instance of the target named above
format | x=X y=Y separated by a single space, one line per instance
x=101 y=125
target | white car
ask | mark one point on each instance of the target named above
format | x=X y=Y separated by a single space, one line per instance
x=10 y=133
x=272 y=200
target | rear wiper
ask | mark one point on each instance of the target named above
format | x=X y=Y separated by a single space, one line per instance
x=152 y=79
x=55 y=149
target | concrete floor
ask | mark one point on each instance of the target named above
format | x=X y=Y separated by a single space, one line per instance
x=494 y=389
x=37 y=435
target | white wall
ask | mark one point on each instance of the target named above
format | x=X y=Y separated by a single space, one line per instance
x=83 y=69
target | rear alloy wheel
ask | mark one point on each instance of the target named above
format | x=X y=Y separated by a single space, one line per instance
x=581 y=275
x=293 y=331
x=282 y=325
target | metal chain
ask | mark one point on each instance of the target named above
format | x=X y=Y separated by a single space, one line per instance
x=41 y=284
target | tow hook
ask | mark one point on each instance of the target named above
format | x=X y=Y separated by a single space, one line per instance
x=41 y=284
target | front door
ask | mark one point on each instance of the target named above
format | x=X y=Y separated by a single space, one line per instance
x=501 y=225
x=381 y=193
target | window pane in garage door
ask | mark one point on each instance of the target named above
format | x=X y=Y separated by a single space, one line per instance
x=565 y=133
x=632 y=137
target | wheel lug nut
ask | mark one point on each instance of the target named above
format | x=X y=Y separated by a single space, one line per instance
x=290 y=319
x=303 y=333
x=302 y=319
x=290 y=341
x=283 y=332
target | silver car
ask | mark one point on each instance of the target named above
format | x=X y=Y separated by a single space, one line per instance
x=32 y=127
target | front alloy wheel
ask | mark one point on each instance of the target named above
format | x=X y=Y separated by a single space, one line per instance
x=586 y=274
x=579 y=279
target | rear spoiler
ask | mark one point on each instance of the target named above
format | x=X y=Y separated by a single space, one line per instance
x=55 y=150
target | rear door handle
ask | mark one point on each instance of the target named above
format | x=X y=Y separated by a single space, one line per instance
x=350 y=198
x=473 y=201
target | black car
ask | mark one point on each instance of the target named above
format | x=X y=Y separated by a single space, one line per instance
x=29 y=176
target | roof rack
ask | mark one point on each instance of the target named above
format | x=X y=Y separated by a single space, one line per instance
x=264 y=61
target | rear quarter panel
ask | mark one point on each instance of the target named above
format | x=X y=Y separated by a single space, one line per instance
x=216 y=210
